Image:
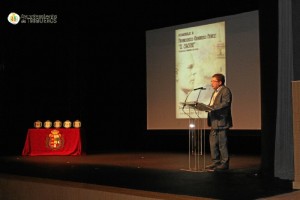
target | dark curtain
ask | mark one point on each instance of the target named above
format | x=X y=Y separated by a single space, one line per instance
x=284 y=157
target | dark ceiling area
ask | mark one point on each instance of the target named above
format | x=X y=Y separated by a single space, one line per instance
x=135 y=15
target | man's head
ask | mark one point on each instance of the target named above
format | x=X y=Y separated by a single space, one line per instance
x=217 y=80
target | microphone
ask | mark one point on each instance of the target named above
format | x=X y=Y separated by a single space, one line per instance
x=200 y=88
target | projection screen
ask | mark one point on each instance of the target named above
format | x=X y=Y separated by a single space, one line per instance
x=181 y=60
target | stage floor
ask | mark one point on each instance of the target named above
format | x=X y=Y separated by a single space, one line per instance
x=172 y=173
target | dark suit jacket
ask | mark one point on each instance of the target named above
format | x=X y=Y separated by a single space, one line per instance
x=220 y=117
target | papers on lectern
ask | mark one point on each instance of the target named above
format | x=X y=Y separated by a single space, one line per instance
x=197 y=105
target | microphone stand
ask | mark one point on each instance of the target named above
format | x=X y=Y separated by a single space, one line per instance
x=200 y=89
x=186 y=98
x=185 y=102
x=198 y=95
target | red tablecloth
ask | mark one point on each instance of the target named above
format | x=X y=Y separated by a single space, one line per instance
x=61 y=141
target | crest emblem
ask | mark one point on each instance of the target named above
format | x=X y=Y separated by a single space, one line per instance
x=57 y=124
x=38 y=124
x=67 y=124
x=47 y=124
x=77 y=124
x=55 y=140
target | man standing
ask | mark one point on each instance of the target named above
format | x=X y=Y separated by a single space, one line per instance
x=220 y=120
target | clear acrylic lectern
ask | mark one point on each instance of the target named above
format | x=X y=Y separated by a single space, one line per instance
x=196 y=135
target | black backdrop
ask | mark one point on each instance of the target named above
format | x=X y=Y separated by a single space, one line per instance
x=91 y=66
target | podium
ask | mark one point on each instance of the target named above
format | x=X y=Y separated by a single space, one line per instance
x=196 y=135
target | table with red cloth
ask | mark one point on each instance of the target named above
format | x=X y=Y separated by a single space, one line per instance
x=52 y=141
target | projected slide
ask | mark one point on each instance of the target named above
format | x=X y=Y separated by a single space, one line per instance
x=200 y=53
x=183 y=57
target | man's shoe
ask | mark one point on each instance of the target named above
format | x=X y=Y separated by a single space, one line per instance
x=212 y=166
x=221 y=167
